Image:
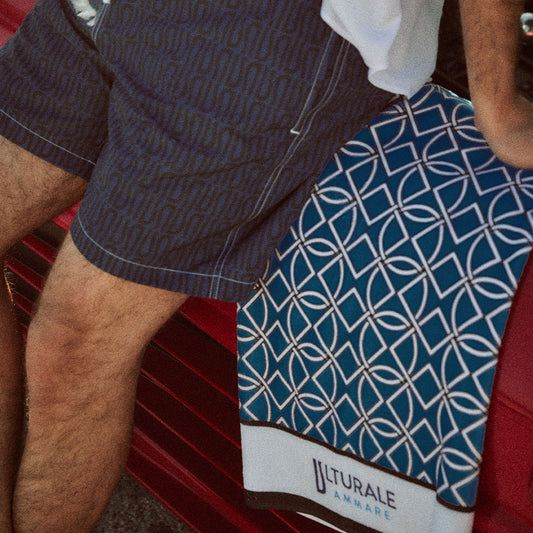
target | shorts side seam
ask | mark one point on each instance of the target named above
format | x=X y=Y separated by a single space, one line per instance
x=326 y=97
x=296 y=129
x=290 y=153
x=100 y=18
x=13 y=119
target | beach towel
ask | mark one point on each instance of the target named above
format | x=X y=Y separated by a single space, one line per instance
x=367 y=351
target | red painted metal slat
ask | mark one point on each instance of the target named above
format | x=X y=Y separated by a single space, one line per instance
x=15 y=10
x=26 y=273
x=164 y=418
x=218 y=319
x=11 y=14
x=177 y=493
x=182 y=383
x=505 y=500
x=40 y=248
x=202 y=355
x=195 y=432
x=218 y=492
x=23 y=303
x=5 y=33
x=64 y=220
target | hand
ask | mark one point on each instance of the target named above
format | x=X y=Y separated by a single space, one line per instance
x=508 y=128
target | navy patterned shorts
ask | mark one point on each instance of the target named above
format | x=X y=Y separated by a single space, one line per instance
x=201 y=126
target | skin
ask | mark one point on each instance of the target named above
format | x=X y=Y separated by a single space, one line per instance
x=491 y=30
x=85 y=345
x=82 y=359
x=27 y=185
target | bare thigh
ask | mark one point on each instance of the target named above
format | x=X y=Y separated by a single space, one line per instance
x=32 y=191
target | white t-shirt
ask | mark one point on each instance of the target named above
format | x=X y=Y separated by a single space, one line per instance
x=397 y=39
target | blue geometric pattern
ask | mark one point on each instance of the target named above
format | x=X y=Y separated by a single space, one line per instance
x=377 y=326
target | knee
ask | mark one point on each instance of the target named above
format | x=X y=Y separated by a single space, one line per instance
x=89 y=321
x=75 y=324
x=54 y=351
x=73 y=363
x=69 y=310
x=78 y=305
x=73 y=340
x=58 y=328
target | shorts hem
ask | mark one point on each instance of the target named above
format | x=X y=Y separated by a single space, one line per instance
x=175 y=280
x=45 y=149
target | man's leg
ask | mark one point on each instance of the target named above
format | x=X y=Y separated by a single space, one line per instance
x=83 y=356
x=33 y=192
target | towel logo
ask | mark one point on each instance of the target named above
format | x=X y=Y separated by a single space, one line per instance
x=352 y=490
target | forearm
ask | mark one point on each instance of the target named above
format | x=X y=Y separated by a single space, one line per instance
x=491 y=30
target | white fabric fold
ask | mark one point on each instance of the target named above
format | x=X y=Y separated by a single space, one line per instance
x=398 y=39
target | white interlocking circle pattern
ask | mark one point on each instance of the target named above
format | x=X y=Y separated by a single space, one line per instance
x=377 y=326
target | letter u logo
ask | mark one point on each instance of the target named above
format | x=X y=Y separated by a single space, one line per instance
x=319 y=477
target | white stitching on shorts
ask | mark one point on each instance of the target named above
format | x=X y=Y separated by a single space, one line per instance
x=274 y=176
x=99 y=19
x=333 y=82
x=45 y=139
x=296 y=129
x=163 y=269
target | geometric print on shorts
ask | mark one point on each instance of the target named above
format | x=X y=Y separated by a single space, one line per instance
x=377 y=326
